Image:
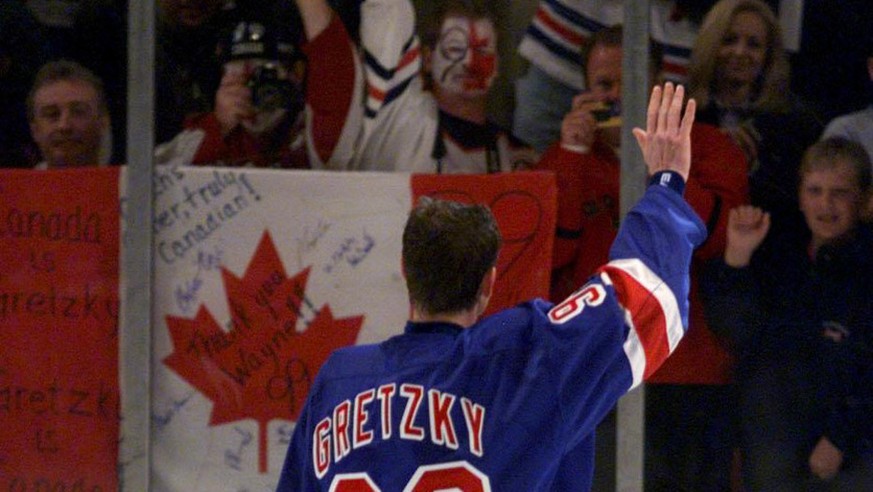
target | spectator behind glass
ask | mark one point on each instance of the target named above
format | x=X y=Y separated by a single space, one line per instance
x=21 y=54
x=410 y=128
x=688 y=400
x=553 y=43
x=800 y=316
x=99 y=43
x=739 y=73
x=281 y=103
x=68 y=118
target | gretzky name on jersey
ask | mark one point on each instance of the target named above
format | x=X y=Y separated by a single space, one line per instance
x=353 y=424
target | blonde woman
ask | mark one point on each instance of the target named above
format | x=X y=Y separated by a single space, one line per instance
x=739 y=73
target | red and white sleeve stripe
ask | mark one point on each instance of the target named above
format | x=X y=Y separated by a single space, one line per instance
x=651 y=314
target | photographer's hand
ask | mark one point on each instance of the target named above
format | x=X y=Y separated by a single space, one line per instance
x=578 y=127
x=233 y=101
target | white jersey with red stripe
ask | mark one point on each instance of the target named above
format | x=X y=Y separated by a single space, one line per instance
x=505 y=403
x=402 y=121
x=553 y=41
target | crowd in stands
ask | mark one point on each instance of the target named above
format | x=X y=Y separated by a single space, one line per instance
x=772 y=387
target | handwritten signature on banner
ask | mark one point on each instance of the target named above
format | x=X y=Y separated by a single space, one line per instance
x=233 y=457
x=202 y=210
x=351 y=251
x=312 y=235
x=186 y=293
x=163 y=419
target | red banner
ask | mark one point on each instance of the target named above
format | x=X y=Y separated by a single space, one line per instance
x=59 y=269
x=524 y=204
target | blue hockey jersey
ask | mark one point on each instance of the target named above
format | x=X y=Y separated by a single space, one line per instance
x=499 y=405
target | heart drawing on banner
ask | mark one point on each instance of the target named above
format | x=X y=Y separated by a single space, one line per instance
x=519 y=216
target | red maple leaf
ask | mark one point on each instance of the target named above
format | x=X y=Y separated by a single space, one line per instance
x=261 y=367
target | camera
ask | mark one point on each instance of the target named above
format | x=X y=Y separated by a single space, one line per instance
x=269 y=91
x=607 y=113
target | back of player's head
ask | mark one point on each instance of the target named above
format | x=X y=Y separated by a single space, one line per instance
x=448 y=247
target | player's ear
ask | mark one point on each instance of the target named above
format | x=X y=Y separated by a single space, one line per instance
x=486 y=288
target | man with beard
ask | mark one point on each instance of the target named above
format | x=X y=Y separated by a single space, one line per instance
x=68 y=119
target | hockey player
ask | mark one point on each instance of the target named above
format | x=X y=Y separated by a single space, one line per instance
x=461 y=403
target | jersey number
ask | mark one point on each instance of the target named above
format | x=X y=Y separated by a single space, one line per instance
x=457 y=475
x=591 y=295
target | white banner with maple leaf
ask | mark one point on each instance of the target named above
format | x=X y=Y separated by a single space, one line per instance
x=259 y=274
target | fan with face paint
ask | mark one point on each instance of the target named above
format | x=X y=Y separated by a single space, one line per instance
x=464 y=60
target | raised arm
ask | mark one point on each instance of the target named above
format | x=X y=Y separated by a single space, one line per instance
x=316 y=16
x=334 y=87
x=639 y=300
x=650 y=259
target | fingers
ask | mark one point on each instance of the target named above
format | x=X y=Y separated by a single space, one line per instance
x=748 y=216
x=666 y=142
x=583 y=99
x=672 y=106
x=578 y=125
x=688 y=118
x=746 y=213
x=687 y=121
x=640 y=135
x=652 y=111
x=667 y=108
x=232 y=105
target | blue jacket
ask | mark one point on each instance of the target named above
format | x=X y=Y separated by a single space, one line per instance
x=810 y=316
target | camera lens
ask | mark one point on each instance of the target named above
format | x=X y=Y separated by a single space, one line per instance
x=269 y=92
